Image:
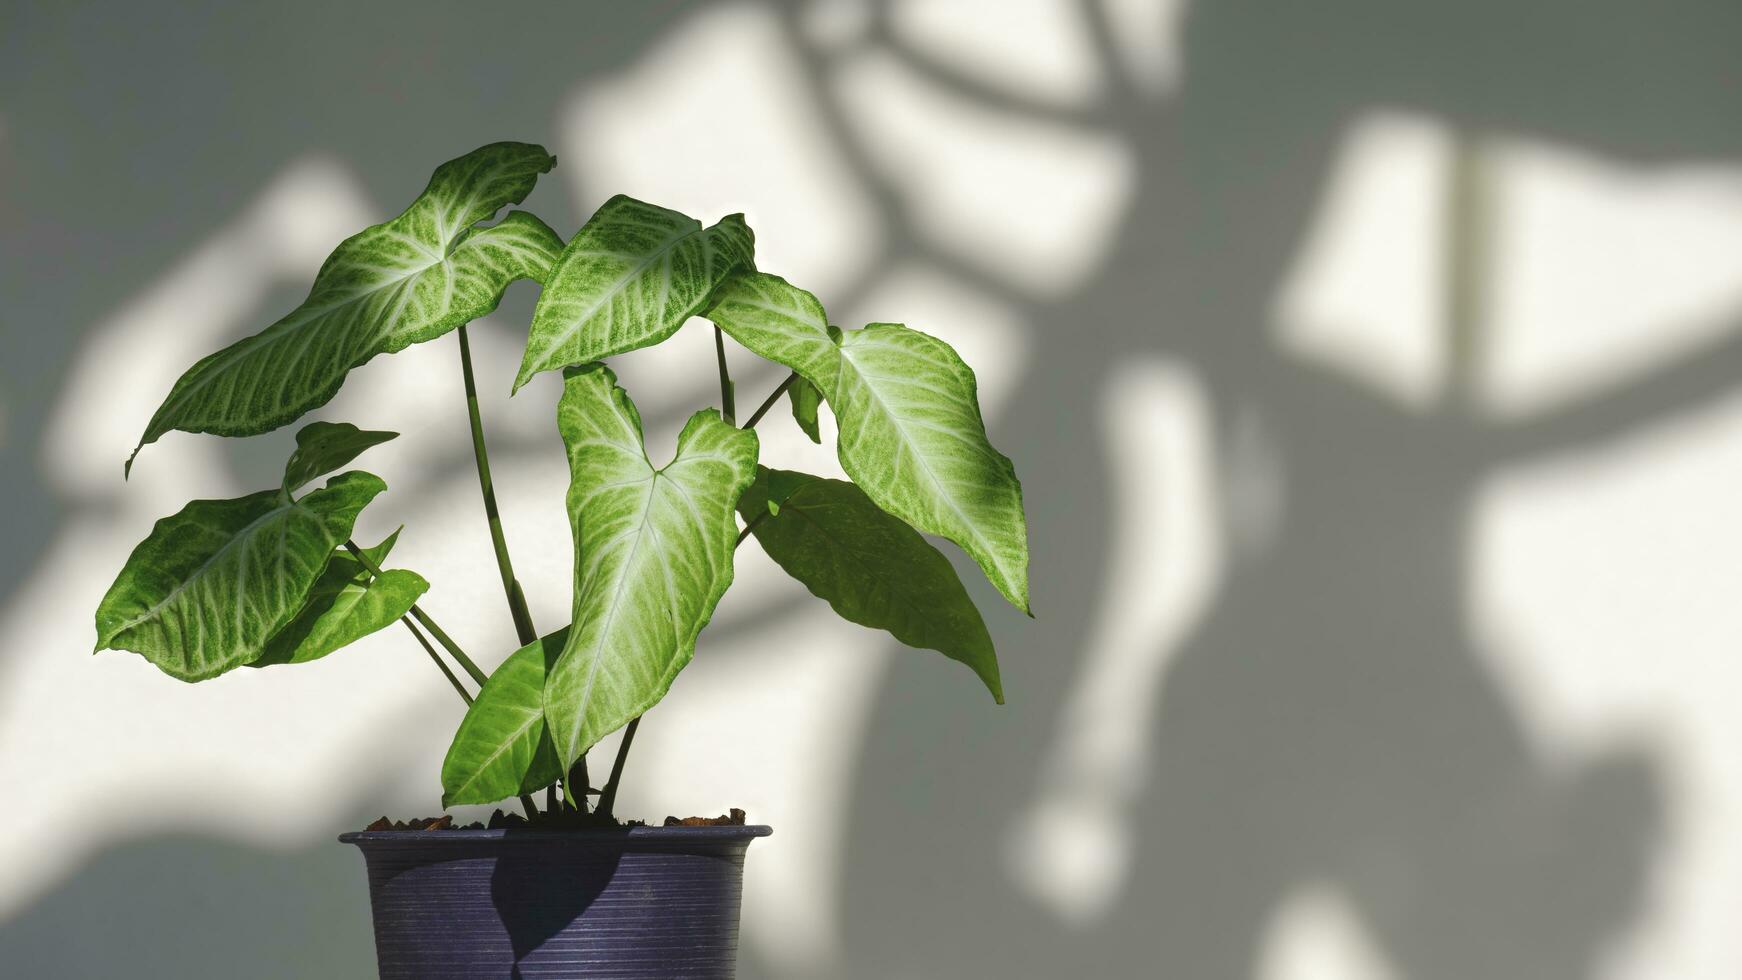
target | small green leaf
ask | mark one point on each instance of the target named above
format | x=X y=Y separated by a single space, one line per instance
x=871 y=567
x=911 y=435
x=322 y=447
x=213 y=583
x=805 y=400
x=628 y=279
x=345 y=605
x=653 y=554
x=503 y=745
x=406 y=281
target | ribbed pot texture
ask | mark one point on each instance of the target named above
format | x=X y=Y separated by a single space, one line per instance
x=646 y=902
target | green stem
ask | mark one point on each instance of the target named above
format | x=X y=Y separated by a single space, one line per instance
x=758 y=519
x=608 y=796
x=510 y=585
x=423 y=620
x=727 y=407
x=441 y=664
x=768 y=403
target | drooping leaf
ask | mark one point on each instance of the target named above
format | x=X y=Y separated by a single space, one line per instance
x=503 y=745
x=322 y=447
x=628 y=279
x=213 y=583
x=872 y=568
x=779 y=321
x=806 y=399
x=912 y=438
x=911 y=435
x=653 y=554
x=395 y=284
x=346 y=604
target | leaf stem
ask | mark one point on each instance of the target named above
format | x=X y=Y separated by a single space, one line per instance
x=608 y=796
x=510 y=585
x=728 y=409
x=751 y=526
x=768 y=403
x=439 y=662
x=423 y=620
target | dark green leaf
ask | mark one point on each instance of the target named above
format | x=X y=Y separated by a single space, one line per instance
x=871 y=567
x=322 y=447
x=805 y=399
x=345 y=605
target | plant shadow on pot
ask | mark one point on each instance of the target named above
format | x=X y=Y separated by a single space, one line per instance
x=653 y=902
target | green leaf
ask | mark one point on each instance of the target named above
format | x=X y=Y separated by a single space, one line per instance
x=628 y=279
x=212 y=584
x=503 y=745
x=779 y=321
x=653 y=554
x=872 y=568
x=805 y=400
x=911 y=434
x=395 y=284
x=345 y=605
x=322 y=447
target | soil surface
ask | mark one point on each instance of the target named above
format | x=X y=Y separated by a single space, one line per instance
x=559 y=820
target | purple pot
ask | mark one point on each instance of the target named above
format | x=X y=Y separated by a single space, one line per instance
x=643 y=902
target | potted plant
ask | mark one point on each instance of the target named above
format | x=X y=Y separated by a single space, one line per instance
x=275 y=578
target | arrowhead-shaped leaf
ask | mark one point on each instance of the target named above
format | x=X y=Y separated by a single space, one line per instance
x=653 y=555
x=212 y=584
x=503 y=745
x=806 y=399
x=395 y=284
x=872 y=568
x=322 y=447
x=628 y=279
x=911 y=435
x=345 y=604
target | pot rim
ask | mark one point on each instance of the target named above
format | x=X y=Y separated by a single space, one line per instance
x=732 y=832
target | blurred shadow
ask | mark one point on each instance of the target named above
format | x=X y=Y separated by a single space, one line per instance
x=1331 y=718
x=181 y=906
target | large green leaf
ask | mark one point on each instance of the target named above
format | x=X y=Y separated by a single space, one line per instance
x=345 y=604
x=503 y=745
x=628 y=279
x=872 y=568
x=911 y=434
x=653 y=554
x=395 y=284
x=322 y=447
x=212 y=584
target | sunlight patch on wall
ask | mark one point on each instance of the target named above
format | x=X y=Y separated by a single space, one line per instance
x=1364 y=295
x=716 y=118
x=1606 y=582
x=1033 y=203
x=1609 y=270
x=1146 y=34
x=1036 y=48
x=1317 y=935
x=1070 y=851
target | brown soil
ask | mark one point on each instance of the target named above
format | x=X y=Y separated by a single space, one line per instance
x=564 y=820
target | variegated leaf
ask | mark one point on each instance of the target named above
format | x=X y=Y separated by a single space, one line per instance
x=345 y=604
x=911 y=435
x=779 y=321
x=653 y=555
x=628 y=279
x=213 y=583
x=503 y=745
x=395 y=284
